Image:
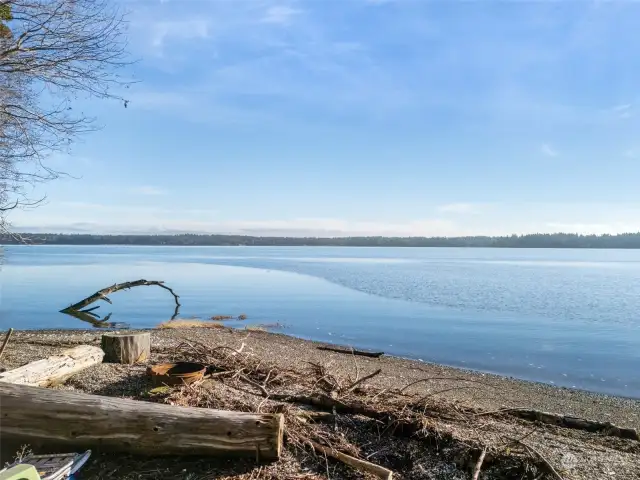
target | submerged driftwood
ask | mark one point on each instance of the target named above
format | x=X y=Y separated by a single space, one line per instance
x=79 y=311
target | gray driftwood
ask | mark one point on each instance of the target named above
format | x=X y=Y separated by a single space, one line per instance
x=55 y=369
x=126 y=348
x=46 y=418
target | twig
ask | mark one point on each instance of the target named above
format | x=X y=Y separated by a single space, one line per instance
x=478 y=467
x=355 y=361
x=353 y=386
x=351 y=351
x=357 y=463
x=255 y=384
x=6 y=340
x=233 y=350
x=439 y=392
x=544 y=460
x=324 y=417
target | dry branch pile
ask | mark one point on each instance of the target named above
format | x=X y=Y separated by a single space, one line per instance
x=343 y=427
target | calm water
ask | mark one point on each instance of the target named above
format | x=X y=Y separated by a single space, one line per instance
x=569 y=317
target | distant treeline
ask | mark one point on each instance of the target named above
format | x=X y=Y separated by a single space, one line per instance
x=556 y=240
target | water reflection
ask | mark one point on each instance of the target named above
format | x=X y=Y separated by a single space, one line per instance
x=94 y=319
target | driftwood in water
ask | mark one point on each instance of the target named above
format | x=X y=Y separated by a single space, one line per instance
x=128 y=348
x=55 y=369
x=351 y=351
x=103 y=295
x=47 y=418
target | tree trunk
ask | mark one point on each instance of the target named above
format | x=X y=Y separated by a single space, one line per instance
x=66 y=419
x=126 y=347
x=55 y=369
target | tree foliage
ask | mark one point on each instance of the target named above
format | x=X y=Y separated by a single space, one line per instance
x=52 y=53
x=555 y=240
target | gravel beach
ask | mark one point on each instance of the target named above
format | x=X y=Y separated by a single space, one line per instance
x=483 y=398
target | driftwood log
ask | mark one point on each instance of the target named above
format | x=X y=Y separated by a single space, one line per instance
x=567 y=421
x=45 y=418
x=116 y=287
x=351 y=351
x=55 y=369
x=126 y=348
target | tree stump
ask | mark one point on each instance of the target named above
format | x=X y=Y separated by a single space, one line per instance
x=126 y=347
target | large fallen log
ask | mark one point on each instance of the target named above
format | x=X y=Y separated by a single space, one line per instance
x=46 y=418
x=55 y=369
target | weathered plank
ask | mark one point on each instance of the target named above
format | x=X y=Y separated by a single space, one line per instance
x=55 y=369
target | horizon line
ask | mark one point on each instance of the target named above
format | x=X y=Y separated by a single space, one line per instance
x=77 y=234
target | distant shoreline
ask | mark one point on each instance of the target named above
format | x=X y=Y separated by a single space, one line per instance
x=555 y=240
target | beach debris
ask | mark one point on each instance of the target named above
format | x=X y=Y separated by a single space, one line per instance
x=478 y=467
x=41 y=416
x=566 y=421
x=179 y=373
x=78 y=309
x=338 y=418
x=357 y=463
x=6 y=341
x=55 y=369
x=548 y=466
x=330 y=413
x=350 y=351
x=128 y=348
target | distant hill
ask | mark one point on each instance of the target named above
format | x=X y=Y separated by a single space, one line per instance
x=555 y=240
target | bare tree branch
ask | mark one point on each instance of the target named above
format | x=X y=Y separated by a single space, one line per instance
x=52 y=54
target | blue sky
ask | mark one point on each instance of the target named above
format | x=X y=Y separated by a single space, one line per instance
x=364 y=117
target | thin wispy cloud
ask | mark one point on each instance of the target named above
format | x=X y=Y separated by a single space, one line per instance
x=147 y=190
x=623 y=111
x=460 y=208
x=548 y=150
x=163 y=32
x=280 y=14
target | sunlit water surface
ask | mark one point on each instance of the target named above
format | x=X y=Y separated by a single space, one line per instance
x=569 y=317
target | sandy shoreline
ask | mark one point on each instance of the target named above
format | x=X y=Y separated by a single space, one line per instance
x=451 y=390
